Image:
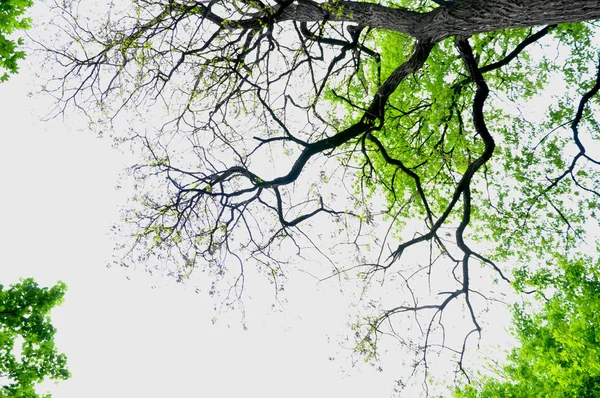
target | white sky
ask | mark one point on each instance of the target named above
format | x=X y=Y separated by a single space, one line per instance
x=123 y=338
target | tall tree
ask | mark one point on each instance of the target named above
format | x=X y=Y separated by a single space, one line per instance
x=296 y=128
x=28 y=354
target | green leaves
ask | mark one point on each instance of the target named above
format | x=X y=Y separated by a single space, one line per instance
x=28 y=354
x=11 y=20
x=528 y=207
x=559 y=351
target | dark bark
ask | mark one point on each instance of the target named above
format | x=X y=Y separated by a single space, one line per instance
x=469 y=17
x=460 y=18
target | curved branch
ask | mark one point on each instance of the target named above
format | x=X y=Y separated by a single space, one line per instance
x=372 y=119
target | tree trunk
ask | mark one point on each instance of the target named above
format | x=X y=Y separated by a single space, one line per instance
x=469 y=17
x=461 y=18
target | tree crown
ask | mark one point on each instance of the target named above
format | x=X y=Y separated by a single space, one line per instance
x=406 y=113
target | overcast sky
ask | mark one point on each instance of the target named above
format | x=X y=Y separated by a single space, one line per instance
x=122 y=337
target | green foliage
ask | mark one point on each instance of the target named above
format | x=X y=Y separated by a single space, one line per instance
x=428 y=128
x=559 y=350
x=12 y=20
x=521 y=209
x=28 y=354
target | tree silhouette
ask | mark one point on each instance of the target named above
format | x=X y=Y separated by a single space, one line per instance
x=295 y=122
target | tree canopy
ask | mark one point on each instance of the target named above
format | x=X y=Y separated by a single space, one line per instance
x=12 y=20
x=359 y=134
x=28 y=354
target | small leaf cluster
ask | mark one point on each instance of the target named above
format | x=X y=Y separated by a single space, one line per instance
x=28 y=354
x=12 y=20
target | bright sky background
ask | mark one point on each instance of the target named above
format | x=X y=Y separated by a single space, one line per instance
x=124 y=338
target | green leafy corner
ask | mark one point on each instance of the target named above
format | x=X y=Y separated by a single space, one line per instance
x=28 y=354
x=11 y=21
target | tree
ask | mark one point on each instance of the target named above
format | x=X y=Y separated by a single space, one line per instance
x=558 y=352
x=407 y=112
x=11 y=20
x=28 y=354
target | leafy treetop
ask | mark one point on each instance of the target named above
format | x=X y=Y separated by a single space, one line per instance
x=28 y=354
x=12 y=20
